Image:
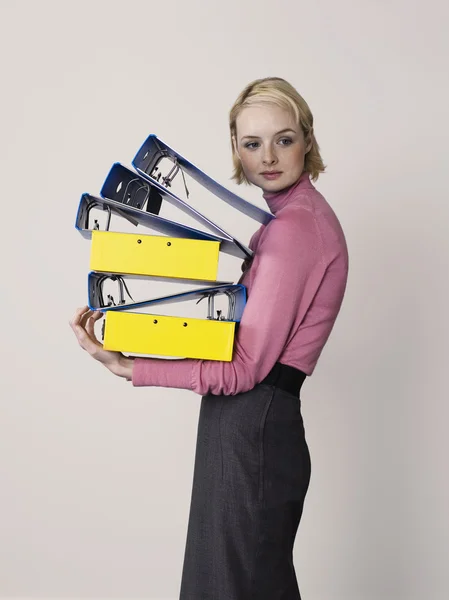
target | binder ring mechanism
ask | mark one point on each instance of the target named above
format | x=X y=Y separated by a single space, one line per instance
x=211 y=305
x=99 y=300
x=152 y=158
x=98 y=203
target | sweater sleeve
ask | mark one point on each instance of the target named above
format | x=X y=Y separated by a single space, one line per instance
x=288 y=255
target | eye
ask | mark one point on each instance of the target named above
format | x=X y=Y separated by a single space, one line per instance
x=287 y=141
x=251 y=145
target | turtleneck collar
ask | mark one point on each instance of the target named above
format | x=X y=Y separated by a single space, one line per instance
x=277 y=200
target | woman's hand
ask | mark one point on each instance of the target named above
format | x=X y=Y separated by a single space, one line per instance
x=246 y=264
x=82 y=323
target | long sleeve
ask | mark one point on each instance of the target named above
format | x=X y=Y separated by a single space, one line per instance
x=286 y=271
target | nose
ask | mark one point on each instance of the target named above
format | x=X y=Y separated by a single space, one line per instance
x=269 y=156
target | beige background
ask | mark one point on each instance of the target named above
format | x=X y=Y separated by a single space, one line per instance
x=95 y=476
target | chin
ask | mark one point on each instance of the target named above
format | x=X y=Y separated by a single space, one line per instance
x=273 y=186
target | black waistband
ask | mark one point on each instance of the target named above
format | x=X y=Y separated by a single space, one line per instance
x=285 y=377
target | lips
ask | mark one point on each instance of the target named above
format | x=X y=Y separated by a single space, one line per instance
x=271 y=175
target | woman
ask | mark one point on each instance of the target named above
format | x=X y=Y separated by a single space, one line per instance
x=252 y=463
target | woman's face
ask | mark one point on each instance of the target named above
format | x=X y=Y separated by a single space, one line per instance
x=271 y=146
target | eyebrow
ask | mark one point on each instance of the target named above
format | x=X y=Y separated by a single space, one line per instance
x=255 y=136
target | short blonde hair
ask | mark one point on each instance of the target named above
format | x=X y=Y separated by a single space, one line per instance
x=275 y=90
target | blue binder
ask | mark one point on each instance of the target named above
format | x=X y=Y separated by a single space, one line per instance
x=236 y=294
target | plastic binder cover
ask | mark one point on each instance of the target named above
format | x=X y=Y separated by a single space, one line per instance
x=153 y=150
x=103 y=213
x=109 y=291
x=145 y=194
x=137 y=254
x=169 y=336
x=177 y=336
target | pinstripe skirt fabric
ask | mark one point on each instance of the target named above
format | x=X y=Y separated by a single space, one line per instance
x=251 y=475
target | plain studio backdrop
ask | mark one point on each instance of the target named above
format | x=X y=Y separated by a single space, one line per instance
x=95 y=475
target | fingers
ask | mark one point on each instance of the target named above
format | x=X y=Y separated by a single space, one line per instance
x=84 y=339
x=82 y=323
x=90 y=325
x=79 y=314
x=83 y=331
x=85 y=318
x=82 y=315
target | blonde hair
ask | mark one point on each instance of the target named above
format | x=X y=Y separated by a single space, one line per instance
x=275 y=90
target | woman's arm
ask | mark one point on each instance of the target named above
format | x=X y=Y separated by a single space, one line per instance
x=287 y=269
x=83 y=323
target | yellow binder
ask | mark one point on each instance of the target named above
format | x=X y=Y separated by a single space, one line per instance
x=169 y=336
x=159 y=256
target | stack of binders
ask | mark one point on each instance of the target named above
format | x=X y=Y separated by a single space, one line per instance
x=181 y=254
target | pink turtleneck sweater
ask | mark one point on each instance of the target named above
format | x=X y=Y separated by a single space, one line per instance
x=295 y=285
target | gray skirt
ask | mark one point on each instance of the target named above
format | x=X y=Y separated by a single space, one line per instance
x=251 y=474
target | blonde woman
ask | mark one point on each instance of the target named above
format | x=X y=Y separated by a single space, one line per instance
x=252 y=463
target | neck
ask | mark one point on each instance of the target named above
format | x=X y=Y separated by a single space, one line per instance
x=277 y=200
